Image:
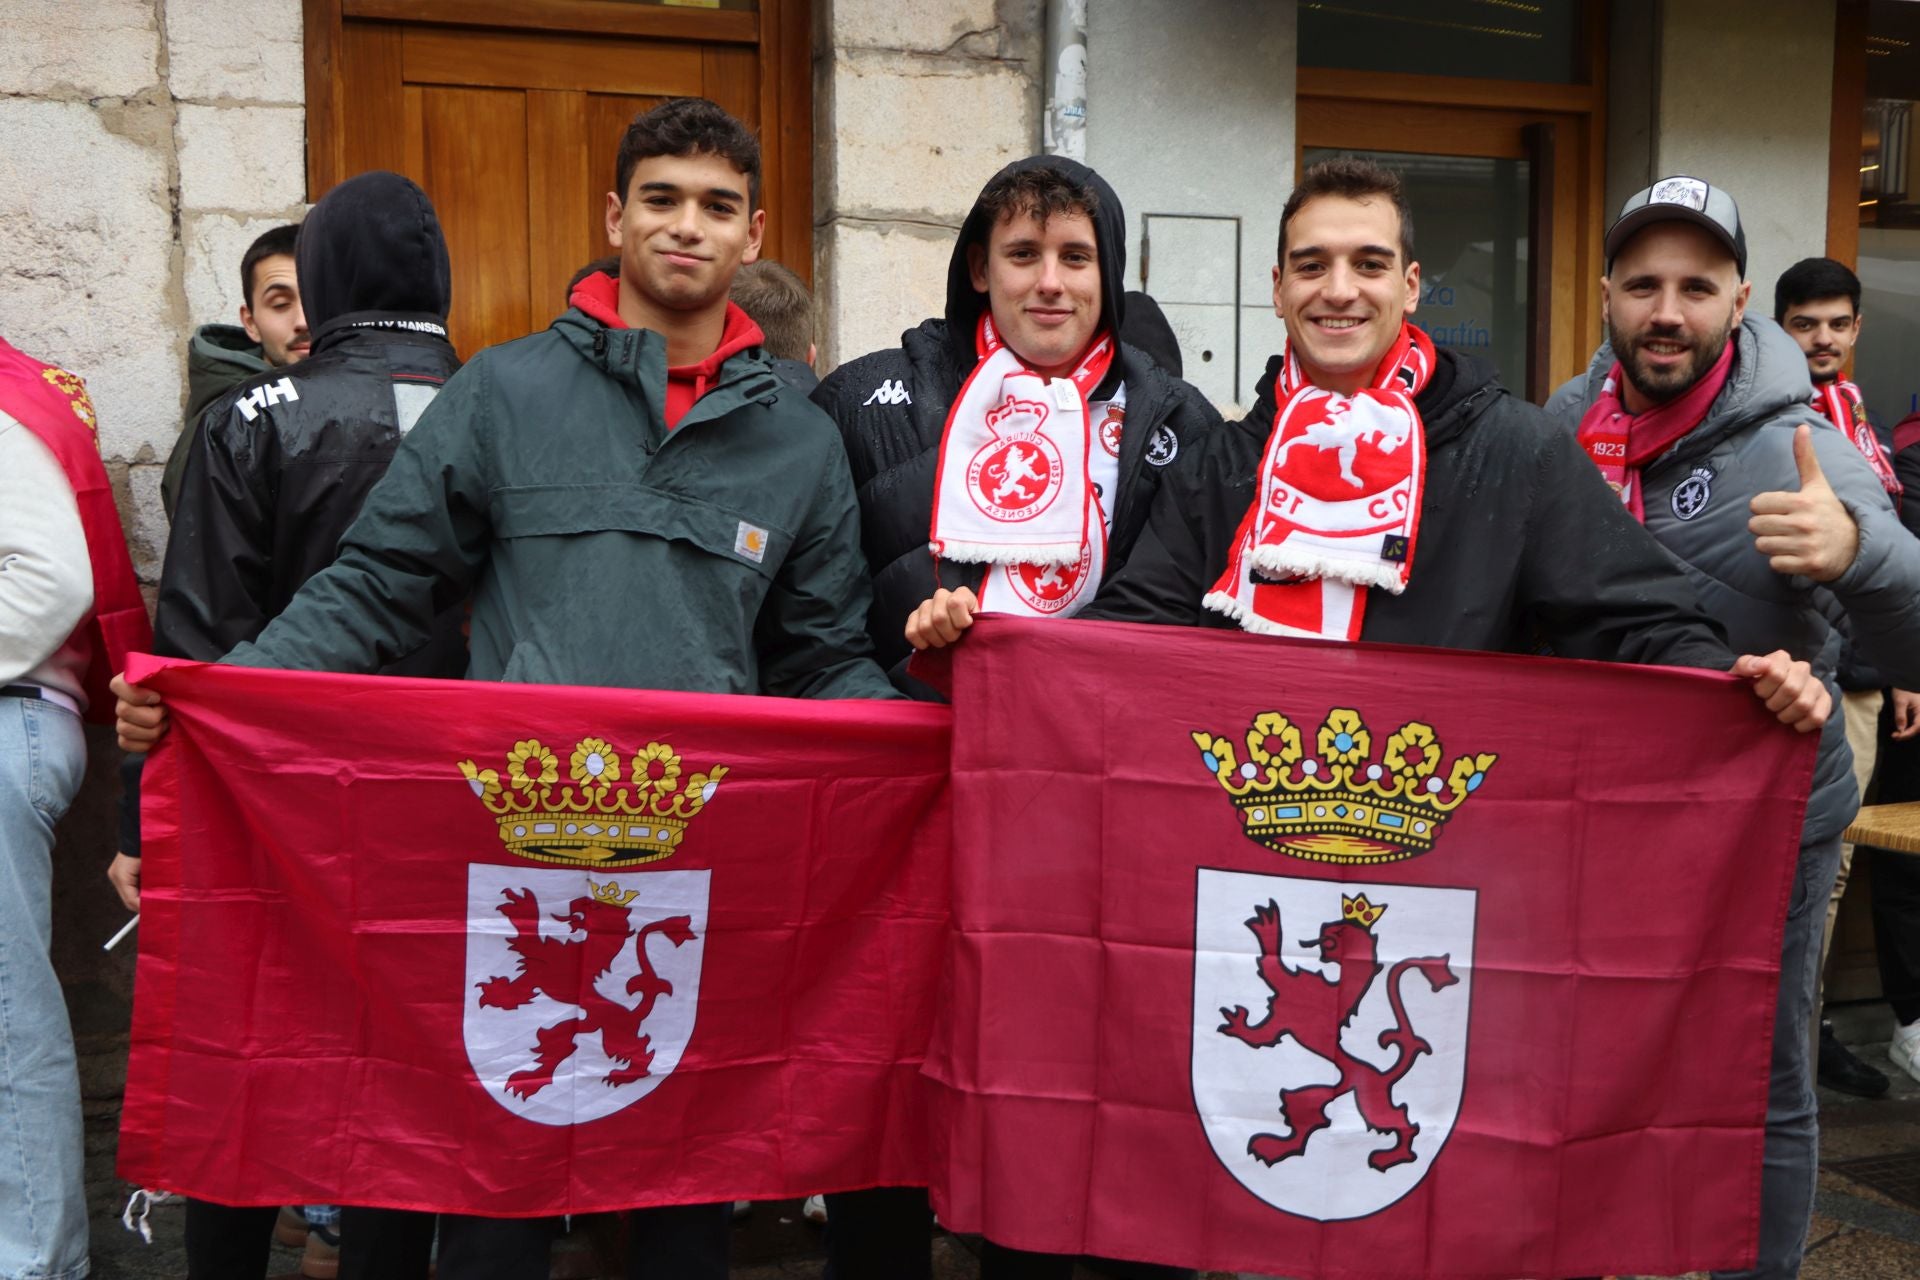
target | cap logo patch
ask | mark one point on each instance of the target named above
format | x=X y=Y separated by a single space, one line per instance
x=1690 y=192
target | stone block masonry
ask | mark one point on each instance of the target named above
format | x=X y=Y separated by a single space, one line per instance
x=915 y=107
x=141 y=149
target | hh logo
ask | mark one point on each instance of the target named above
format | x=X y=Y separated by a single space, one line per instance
x=581 y=993
x=269 y=393
x=890 y=391
x=1329 y=1035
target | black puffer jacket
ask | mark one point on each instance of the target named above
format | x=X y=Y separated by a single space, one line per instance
x=279 y=466
x=1521 y=542
x=892 y=410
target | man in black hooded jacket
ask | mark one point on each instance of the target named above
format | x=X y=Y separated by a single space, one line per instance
x=277 y=472
x=1023 y=389
x=894 y=406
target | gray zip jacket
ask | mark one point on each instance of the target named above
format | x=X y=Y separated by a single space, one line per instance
x=1696 y=497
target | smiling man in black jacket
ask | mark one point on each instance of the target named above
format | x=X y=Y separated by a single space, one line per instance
x=1024 y=439
x=1382 y=489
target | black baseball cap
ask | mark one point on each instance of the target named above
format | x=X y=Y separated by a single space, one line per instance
x=1681 y=199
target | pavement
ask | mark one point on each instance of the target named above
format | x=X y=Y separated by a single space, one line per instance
x=1866 y=1222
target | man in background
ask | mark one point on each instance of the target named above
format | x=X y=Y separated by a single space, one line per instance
x=1817 y=301
x=272 y=333
x=777 y=300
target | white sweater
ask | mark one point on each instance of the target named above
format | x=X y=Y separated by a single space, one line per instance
x=46 y=578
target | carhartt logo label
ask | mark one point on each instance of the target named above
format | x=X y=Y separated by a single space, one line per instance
x=260 y=397
x=750 y=543
x=890 y=391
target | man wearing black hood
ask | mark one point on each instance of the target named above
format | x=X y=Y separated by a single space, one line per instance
x=1022 y=438
x=277 y=472
x=1035 y=307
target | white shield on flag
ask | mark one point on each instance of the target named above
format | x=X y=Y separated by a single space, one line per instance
x=1329 y=1035
x=582 y=986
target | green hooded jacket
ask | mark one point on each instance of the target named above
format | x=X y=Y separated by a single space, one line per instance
x=219 y=358
x=598 y=547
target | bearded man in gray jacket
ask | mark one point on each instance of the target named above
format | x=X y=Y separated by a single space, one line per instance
x=1698 y=415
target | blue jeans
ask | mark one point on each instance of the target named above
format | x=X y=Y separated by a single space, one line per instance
x=43 y=1208
x=1792 y=1160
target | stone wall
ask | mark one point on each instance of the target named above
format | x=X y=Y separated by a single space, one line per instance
x=915 y=107
x=143 y=144
x=1196 y=120
x=1736 y=92
x=141 y=149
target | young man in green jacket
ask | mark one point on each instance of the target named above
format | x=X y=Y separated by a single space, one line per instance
x=631 y=499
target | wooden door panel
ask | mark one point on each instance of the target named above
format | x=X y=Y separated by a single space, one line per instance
x=525 y=60
x=509 y=115
x=371 y=54
x=475 y=151
x=558 y=180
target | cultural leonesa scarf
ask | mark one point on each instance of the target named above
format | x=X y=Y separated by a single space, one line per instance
x=1336 y=506
x=1841 y=404
x=1620 y=443
x=1012 y=487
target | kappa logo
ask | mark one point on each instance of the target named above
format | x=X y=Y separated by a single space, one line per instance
x=582 y=991
x=1164 y=447
x=270 y=393
x=1015 y=476
x=890 y=391
x=1690 y=496
x=1359 y=1039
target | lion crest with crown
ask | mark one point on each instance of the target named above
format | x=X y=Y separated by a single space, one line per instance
x=568 y=970
x=1314 y=1009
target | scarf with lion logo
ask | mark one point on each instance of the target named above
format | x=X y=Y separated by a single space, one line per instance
x=1336 y=506
x=1841 y=404
x=1013 y=489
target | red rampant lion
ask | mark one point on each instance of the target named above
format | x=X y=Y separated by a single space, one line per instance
x=1313 y=1009
x=567 y=969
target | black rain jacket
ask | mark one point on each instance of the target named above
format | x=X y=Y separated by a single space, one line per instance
x=892 y=410
x=278 y=467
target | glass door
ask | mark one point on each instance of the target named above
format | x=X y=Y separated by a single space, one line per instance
x=1471 y=234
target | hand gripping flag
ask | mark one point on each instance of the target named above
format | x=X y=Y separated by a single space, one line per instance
x=1343 y=961
x=512 y=950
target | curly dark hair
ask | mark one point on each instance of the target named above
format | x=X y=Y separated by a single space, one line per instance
x=1351 y=178
x=1041 y=192
x=689 y=127
x=1814 y=280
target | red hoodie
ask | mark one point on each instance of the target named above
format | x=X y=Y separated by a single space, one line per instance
x=599 y=296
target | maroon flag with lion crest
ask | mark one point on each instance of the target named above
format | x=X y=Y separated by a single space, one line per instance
x=519 y=950
x=1342 y=961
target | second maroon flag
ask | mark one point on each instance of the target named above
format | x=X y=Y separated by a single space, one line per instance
x=1336 y=961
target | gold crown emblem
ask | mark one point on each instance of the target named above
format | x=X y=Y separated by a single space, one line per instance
x=1358 y=910
x=596 y=817
x=1341 y=805
x=614 y=896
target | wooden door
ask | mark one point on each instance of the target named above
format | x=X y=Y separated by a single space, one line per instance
x=509 y=115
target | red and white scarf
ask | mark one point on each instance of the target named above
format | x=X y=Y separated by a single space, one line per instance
x=1013 y=489
x=1337 y=506
x=1840 y=403
x=1620 y=443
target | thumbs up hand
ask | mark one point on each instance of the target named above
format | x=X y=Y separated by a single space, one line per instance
x=1808 y=532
